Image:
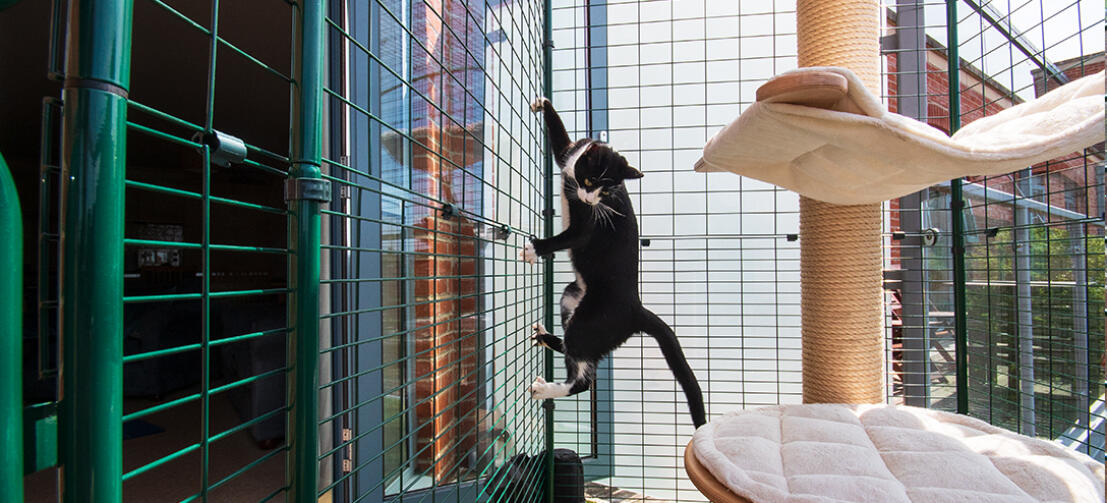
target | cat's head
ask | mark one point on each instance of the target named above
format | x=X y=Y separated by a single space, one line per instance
x=599 y=171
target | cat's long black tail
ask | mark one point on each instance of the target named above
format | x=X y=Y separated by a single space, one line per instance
x=674 y=357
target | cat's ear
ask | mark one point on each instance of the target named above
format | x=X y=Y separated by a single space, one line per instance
x=630 y=172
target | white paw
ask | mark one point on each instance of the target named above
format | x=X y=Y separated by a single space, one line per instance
x=536 y=387
x=535 y=338
x=528 y=254
x=541 y=390
x=539 y=103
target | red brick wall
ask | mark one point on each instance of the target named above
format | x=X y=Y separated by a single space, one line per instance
x=445 y=247
x=446 y=346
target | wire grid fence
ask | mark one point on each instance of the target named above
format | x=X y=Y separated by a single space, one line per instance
x=205 y=277
x=437 y=178
x=438 y=175
x=656 y=79
x=1033 y=240
x=201 y=247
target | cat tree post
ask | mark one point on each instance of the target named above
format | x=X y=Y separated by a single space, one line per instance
x=840 y=251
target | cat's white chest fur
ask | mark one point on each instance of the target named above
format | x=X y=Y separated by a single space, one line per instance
x=568 y=170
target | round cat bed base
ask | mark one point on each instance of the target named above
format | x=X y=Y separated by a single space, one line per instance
x=707 y=484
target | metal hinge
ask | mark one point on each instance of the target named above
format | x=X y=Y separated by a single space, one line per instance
x=348 y=460
x=311 y=189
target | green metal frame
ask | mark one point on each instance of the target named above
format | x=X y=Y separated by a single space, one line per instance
x=957 y=216
x=11 y=338
x=306 y=191
x=548 y=262
x=94 y=140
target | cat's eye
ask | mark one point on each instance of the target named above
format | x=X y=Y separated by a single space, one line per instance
x=605 y=192
x=587 y=182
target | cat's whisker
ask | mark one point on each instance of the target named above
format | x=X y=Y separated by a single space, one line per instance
x=612 y=210
x=605 y=214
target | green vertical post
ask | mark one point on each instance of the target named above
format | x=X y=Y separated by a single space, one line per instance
x=93 y=159
x=11 y=338
x=957 y=216
x=548 y=224
x=305 y=191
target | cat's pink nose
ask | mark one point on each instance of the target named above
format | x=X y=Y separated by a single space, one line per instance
x=590 y=198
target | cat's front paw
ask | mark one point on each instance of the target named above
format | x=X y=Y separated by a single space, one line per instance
x=536 y=337
x=539 y=104
x=528 y=254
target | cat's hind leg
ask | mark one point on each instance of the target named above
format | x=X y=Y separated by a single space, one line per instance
x=581 y=374
x=541 y=337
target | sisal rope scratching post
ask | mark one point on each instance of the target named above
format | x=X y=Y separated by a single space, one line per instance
x=840 y=251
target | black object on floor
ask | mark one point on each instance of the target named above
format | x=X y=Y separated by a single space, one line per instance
x=568 y=477
x=136 y=428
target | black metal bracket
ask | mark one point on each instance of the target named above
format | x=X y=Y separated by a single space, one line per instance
x=548 y=212
x=792 y=237
x=645 y=242
x=310 y=189
x=503 y=232
x=448 y=211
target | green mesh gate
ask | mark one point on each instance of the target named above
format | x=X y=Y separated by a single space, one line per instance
x=174 y=257
x=286 y=254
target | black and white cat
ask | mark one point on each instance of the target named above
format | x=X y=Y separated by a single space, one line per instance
x=601 y=309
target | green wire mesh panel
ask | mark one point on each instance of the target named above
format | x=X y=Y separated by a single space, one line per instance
x=656 y=79
x=437 y=168
x=205 y=262
x=1033 y=239
x=206 y=249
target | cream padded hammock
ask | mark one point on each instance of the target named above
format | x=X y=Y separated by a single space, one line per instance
x=850 y=150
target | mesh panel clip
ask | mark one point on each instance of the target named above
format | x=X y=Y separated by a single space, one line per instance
x=225 y=149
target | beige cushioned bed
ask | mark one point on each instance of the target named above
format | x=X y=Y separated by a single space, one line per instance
x=881 y=453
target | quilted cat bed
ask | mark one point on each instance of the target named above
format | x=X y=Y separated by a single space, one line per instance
x=819 y=132
x=855 y=453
